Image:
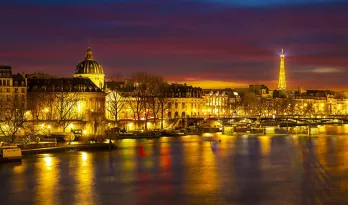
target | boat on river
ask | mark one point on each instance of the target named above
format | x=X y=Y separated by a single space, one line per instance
x=10 y=153
x=137 y=134
x=173 y=133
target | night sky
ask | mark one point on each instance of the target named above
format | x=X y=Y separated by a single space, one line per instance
x=207 y=43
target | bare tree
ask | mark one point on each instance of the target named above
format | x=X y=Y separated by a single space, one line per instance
x=115 y=103
x=140 y=95
x=64 y=107
x=146 y=97
x=39 y=109
x=12 y=117
x=163 y=101
x=156 y=96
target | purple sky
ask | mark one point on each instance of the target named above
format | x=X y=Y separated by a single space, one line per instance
x=211 y=43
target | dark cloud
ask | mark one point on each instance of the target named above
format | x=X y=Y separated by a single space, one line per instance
x=206 y=40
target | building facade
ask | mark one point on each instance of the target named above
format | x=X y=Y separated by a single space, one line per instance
x=12 y=86
x=69 y=104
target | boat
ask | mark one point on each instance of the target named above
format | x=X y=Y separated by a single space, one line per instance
x=173 y=133
x=10 y=153
x=137 y=134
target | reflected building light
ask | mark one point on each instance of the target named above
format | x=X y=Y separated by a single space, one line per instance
x=47 y=180
x=265 y=145
x=48 y=161
x=84 y=156
x=85 y=188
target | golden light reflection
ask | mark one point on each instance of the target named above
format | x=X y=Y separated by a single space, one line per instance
x=321 y=149
x=84 y=156
x=265 y=145
x=85 y=193
x=48 y=178
x=165 y=159
x=200 y=161
x=19 y=169
x=148 y=150
x=128 y=153
x=19 y=182
x=210 y=179
x=48 y=162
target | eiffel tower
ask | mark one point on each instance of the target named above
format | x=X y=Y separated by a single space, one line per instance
x=282 y=79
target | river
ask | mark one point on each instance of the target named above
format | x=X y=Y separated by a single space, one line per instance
x=213 y=169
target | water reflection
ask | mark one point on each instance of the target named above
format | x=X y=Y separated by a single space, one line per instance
x=242 y=169
x=48 y=176
x=85 y=185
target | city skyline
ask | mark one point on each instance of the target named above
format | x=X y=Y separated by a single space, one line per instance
x=211 y=48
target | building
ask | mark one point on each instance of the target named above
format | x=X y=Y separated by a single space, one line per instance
x=184 y=101
x=216 y=103
x=12 y=86
x=69 y=104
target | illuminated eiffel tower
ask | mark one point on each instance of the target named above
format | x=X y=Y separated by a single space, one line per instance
x=282 y=79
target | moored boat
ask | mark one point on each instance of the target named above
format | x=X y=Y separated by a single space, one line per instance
x=173 y=133
x=137 y=134
x=10 y=153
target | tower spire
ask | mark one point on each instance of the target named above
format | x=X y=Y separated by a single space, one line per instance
x=282 y=79
x=89 y=54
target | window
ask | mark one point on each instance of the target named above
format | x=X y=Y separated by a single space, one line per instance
x=8 y=90
x=8 y=82
x=176 y=105
x=23 y=90
x=169 y=105
x=16 y=90
x=183 y=105
x=16 y=83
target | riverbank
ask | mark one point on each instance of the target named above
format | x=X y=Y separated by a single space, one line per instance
x=69 y=148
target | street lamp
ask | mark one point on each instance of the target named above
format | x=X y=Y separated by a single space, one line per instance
x=49 y=130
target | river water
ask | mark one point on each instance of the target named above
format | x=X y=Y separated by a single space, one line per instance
x=209 y=169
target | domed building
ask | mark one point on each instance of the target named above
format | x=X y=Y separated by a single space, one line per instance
x=89 y=68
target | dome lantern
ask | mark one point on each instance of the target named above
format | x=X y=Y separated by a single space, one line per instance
x=89 y=55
